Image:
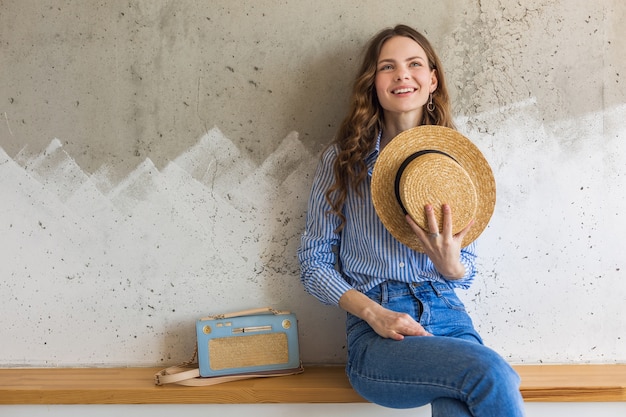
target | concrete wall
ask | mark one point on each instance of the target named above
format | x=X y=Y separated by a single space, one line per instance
x=156 y=158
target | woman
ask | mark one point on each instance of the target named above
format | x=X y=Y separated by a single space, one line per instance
x=410 y=340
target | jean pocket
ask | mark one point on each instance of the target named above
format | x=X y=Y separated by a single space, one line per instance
x=450 y=298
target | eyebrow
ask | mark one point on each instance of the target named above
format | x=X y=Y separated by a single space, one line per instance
x=408 y=59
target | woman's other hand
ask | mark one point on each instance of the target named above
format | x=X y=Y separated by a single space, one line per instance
x=387 y=323
x=393 y=325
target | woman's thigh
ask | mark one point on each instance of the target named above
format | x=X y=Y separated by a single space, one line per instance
x=416 y=371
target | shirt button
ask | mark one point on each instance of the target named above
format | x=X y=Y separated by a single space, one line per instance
x=401 y=265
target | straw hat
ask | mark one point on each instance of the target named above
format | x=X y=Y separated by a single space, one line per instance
x=432 y=165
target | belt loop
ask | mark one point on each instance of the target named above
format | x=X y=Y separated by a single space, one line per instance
x=384 y=292
x=433 y=285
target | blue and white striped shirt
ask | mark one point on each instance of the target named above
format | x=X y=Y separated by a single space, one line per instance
x=368 y=253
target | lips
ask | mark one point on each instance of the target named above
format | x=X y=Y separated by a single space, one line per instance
x=403 y=90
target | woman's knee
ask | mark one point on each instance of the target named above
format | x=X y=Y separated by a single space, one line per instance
x=493 y=365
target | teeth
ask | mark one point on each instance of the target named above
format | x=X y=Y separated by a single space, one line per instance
x=403 y=90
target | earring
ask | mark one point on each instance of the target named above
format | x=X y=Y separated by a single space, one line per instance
x=430 y=106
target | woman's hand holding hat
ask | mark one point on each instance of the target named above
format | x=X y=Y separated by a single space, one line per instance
x=443 y=249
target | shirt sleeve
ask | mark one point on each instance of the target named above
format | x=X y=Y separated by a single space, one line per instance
x=318 y=251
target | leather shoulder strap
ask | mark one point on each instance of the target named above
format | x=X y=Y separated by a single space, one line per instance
x=190 y=376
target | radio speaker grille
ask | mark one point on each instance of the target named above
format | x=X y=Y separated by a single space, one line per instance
x=248 y=351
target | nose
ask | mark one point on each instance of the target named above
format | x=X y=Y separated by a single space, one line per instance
x=402 y=74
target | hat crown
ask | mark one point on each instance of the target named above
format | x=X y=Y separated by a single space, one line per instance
x=435 y=178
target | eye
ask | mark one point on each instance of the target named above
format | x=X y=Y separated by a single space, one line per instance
x=415 y=64
x=386 y=67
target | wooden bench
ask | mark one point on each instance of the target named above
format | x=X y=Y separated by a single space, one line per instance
x=318 y=384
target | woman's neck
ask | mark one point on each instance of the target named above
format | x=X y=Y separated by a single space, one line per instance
x=397 y=124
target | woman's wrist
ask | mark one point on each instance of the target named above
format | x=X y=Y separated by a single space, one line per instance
x=455 y=273
x=358 y=304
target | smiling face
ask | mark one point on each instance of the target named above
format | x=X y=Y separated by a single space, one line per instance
x=404 y=79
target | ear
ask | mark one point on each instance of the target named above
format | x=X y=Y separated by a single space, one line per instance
x=434 y=82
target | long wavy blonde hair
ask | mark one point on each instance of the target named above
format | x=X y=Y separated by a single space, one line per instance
x=358 y=132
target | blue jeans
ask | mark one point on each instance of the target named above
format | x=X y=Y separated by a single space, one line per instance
x=452 y=370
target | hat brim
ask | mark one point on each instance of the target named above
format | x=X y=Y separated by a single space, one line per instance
x=441 y=139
